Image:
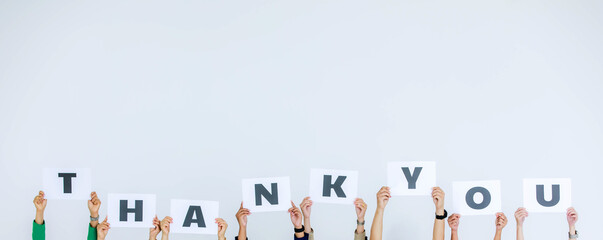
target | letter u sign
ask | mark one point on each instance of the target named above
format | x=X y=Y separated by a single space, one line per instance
x=547 y=194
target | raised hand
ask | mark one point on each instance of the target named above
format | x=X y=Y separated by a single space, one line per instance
x=40 y=204
x=93 y=206
x=296 y=216
x=165 y=227
x=242 y=219
x=383 y=197
x=360 y=207
x=154 y=231
x=306 y=207
x=520 y=216
x=242 y=215
x=102 y=229
x=501 y=221
x=572 y=217
x=222 y=226
x=453 y=221
x=438 y=195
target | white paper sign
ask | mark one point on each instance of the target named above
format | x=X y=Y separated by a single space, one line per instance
x=267 y=194
x=333 y=186
x=131 y=210
x=411 y=178
x=477 y=197
x=547 y=195
x=194 y=216
x=67 y=183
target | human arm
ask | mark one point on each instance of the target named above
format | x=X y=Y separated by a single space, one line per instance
x=102 y=229
x=241 y=216
x=572 y=218
x=165 y=227
x=437 y=195
x=222 y=226
x=453 y=222
x=501 y=222
x=383 y=197
x=306 y=208
x=296 y=219
x=156 y=229
x=520 y=217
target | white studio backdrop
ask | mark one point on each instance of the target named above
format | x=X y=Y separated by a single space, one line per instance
x=183 y=99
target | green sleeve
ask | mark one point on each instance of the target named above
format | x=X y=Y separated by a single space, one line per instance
x=91 y=233
x=38 y=231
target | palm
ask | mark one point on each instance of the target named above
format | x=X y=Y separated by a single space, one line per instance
x=93 y=207
x=307 y=211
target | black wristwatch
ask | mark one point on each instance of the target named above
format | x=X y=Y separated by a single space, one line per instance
x=441 y=217
x=298 y=230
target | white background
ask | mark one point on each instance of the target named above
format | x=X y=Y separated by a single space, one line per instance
x=186 y=98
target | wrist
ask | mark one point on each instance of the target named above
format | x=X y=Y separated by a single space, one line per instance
x=94 y=214
x=572 y=229
x=440 y=211
x=453 y=230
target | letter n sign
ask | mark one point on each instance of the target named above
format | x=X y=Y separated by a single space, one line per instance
x=333 y=186
x=193 y=216
x=411 y=178
x=67 y=183
x=267 y=194
x=547 y=195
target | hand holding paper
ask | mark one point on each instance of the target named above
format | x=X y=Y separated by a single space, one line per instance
x=438 y=199
x=102 y=230
x=222 y=226
x=296 y=216
x=40 y=203
x=383 y=197
x=453 y=221
x=520 y=216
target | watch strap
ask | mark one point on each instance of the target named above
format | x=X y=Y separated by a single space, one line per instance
x=441 y=217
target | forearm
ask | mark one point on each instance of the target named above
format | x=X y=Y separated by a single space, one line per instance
x=377 y=226
x=92 y=233
x=307 y=225
x=94 y=223
x=439 y=226
x=454 y=235
x=359 y=228
x=519 y=232
x=39 y=217
x=572 y=231
x=498 y=234
x=438 y=229
x=165 y=236
x=242 y=233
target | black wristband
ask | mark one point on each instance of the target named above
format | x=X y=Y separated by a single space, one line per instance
x=440 y=217
x=300 y=229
